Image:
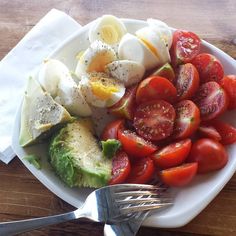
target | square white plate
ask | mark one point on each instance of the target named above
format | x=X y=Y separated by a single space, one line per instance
x=189 y=201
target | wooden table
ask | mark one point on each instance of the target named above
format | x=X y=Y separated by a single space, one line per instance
x=22 y=196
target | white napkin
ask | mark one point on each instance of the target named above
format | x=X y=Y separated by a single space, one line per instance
x=21 y=61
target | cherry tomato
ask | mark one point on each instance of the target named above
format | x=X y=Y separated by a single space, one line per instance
x=180 y=175
x=134 y=145
x=187 y=81
x=187 y=119
x=209 y=154
x=111 y=130
x=208 y=131
x=166 y=71
x=154 y=120
x=212 y=100
x=226 y=131
x=185 y=46
x=120 y=168
x=209 y=68
x=172 y=155
x=124 y=108
x=155 y=87
x=141 y=171
x=228 y=83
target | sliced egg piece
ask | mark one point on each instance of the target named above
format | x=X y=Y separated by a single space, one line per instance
x=155 y=43
x=162 y=29
x=128 y=72
x=131 y=48
x=108 y=29
x=50 y=73
x=100 y=90
x=95 y=58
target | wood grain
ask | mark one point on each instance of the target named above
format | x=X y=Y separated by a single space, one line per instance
x=22 y=196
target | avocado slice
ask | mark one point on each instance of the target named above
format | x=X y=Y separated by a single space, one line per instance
x=76 y=156
x=39 y=114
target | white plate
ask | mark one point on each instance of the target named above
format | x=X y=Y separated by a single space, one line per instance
x=189 y=201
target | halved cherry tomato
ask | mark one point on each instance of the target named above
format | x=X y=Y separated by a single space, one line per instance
x=187 y=81
x=172 y=155
x=212 y=100
x=185 y=46
x=124 y=108
x=111 y=130
x=141 y=171
x=154 y=120
x=228 y=83
x=134 y=145
x=155 y=87
x=226 y=131
x=180 y=175
x=166 y=71
x=209 y=68
x=187 y=119
x=120 y=168
x=209 y=154
x=208 y=131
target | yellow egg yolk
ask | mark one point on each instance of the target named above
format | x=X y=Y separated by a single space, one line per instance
x=150 y=47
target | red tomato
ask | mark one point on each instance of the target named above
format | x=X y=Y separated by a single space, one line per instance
x=212 y=100
x=185 y=46
x=229 y=85
x=166 y=71
x=187 y=81
x=187 y=119
x=180 y=175
x=134 y=145
x=209 y=68
x=125 y=106
x=226 y=131
x=120 y=168
x=172 y=155
x=141 y=171
x=155 y=87
x=208 y=131
x=111 y=130
x=209 y=154
x=154 y=120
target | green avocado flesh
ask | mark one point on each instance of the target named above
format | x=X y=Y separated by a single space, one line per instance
x=76 y=156
x=39 y=114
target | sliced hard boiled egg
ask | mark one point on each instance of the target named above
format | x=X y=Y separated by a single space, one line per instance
x=99 y=90
x=108 y=29
x=155 y=43
x=131 y=48
x=95 y=58
x=128 y=72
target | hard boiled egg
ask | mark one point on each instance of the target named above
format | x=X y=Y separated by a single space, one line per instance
x=99 y=90
x=132 y=48
x=95 y=58
x=108 y=29
x=128 y=72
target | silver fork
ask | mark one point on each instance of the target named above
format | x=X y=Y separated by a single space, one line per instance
x=110 y=204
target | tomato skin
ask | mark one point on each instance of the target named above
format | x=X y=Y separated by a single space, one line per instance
x=208 y=131
x=155 y=87
x=141 y=171
x=209 y=154
x=185 y=46
x=166 y=71
x=187 y=119
x=172 y=155
x=187 y=81
x=111 y=130
x=120 y=168
x=212 y=100
x=228 y=83
x=179 y=176
x=124 y=108
x=154 y=120
x=135 y=146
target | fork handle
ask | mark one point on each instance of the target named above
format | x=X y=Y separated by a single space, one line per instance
x=21 y=226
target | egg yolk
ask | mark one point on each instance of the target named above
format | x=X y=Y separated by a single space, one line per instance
x=150 y=47
x=109 y=35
